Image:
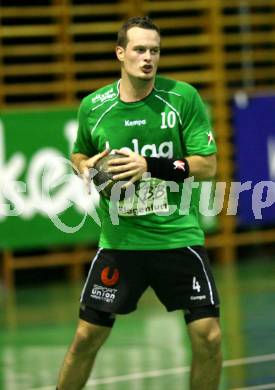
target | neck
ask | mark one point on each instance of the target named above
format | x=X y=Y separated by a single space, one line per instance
x=132 y=90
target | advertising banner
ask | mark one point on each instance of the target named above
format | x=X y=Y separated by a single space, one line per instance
x=254 y=124
x=36 y=209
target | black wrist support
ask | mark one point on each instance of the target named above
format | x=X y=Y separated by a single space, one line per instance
x=168 y=169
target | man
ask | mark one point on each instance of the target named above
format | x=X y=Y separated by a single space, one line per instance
x=160 y=126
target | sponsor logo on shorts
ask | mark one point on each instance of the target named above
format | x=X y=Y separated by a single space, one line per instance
x=109 y=277
x=198 y=297
x=104 y=294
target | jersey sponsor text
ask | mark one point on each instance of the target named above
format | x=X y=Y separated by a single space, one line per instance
x=105 y=96
x=165 y=149
x=139 y=122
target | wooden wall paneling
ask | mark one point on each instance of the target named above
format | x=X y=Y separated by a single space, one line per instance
x=2 y=84
x=65 y=56
x=227 y=223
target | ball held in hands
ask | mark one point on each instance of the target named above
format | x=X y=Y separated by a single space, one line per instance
x=103 y=179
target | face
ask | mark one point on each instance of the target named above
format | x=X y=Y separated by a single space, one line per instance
x=140 y=58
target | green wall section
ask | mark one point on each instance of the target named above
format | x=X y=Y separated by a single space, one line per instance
x=33 y=145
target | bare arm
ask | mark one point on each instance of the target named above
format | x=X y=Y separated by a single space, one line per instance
x=202 y=167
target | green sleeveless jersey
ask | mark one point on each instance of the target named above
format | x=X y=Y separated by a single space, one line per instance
x=171 y=122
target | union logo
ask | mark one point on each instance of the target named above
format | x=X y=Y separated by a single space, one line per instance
x=109 y=277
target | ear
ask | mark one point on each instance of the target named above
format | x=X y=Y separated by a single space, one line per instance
x=120 y=53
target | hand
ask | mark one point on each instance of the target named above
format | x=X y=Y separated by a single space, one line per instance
x=133 y=166
x=85 y=165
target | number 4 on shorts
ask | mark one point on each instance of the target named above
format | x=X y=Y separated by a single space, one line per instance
x=196 y=285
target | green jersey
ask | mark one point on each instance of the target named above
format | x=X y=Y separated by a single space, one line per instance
x=171 y=122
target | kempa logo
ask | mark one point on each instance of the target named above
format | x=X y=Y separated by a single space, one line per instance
x=139 y=122
x=198 y=297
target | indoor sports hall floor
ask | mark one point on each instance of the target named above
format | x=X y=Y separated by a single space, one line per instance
x=149 y=349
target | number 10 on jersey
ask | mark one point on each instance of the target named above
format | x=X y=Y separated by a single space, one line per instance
x=168 y=119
